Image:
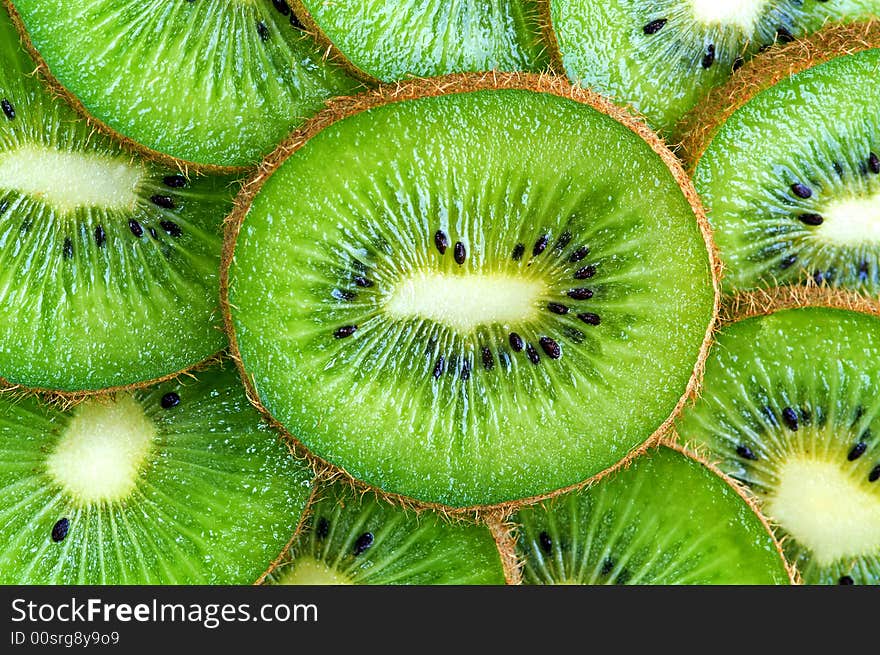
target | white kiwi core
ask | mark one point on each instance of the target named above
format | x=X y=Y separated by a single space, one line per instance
x=465 y=302
x=851 y=222
x=826 y=510
x=101 y=452
x=308 y=571
x=736 y=13
x=70 y=180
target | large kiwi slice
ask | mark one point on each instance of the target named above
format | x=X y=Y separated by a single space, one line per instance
x=179 y=483
x=663 y=57
x=791 y=179
x=665 y=520
x=791 y=407
x=217 y=83
x=459 y=290
x=354 y=538
x=108 y=261
x=393 y=39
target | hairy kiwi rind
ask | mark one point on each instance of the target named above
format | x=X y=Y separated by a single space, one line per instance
x=699 y=126
x=384 y=94
x=761 y=302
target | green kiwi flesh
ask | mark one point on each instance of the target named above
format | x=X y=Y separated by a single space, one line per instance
x=213 y=82
x=664 y=520
x=473 y=294
x=108 y=261
x=663 y=57
x=352 y=538
x=791 y=407
x=394 y=39
x=791 y=181
x=178 y=483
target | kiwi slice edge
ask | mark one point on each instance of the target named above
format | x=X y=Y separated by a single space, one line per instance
x=457 y=83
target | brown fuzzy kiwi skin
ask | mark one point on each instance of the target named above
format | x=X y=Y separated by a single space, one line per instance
x=699 y=126
x=343 y=107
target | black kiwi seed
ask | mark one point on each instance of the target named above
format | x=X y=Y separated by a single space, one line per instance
x=136 y=228
x=801 y=190
x=557 y=308
x=362 y=282
x=585 y=273
x=68 y=248
x=540 y=245
x=589 y=318
x=8 y=109
x=322 y=529
x=857 y=451
x=874 y=475
x=294 y=21
x=460 y=254
x=438 y=367
x=746 y=453
x=783 y=35
x=60 y=530
x=172 y=228
x=811 y=219
x=282 y=7
x=563 y=240
x=788 y=261
x=3 y=207
x=176 y=181
x=579 y=254
x=607 y=566
x=654 y=26
x=362 y=543
x=789 y=417
x=516 y=342
x=488 y=360
x=534 y=357
x=165 y=202
x=874 y=164
x=738 y=63
x=845 y=580
x=546 y=542
x=262 y=30
x=518 y=251
x=550 y=347
x=580 y=294
x=100 y=236
x=345 y=331
x=709 y=57
x=465 y=369
x=154 y=234
x=170 y=400
x=863 y=270
x=441 y=241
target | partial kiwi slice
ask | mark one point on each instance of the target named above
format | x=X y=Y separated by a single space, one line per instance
x=216 y=83
x=179 y=483
x=662 y=57
x=390 y=40
x=791 y=407
x=356 y=538
x=108 y=261
x=792 y=179
x=476 y=290
x=666 y=519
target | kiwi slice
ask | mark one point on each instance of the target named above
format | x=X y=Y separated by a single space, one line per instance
x=792 y=179
x=179 y=483
x=485 y=277
x=108 y=260
x=791 y=407
x=666 y=519
x=393 y=39
x=355 y=538
x=662 y=57
x=217 y=83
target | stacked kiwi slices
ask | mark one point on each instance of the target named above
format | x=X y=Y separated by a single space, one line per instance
x=265 y=319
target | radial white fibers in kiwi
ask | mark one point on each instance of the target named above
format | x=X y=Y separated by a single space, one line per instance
x=791 y=180
x=664 y=520
x=181 y=483
x=394 y=39
x=461 y=298
x=354 y=538
x=108 y=262
x=791 y=407
x=213 y=82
